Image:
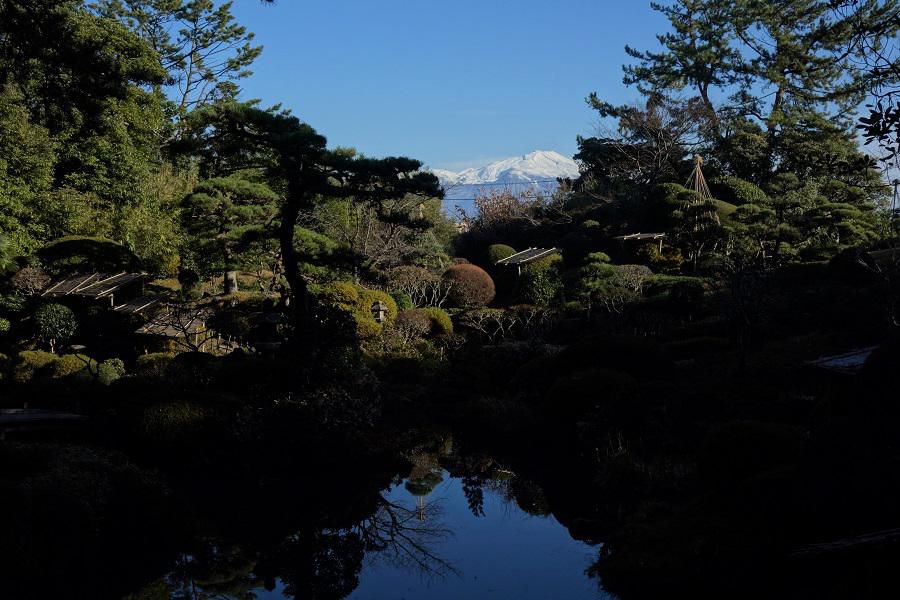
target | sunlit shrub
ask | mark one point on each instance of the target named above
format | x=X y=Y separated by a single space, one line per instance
x=470 y=286
x=737 y=191
x=441 y=323
x=339 y=292
x=31 y=363
x=497 y=252
x=72 y=365
x=357 y=301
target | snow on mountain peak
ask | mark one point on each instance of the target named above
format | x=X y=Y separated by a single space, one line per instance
x=538 y=169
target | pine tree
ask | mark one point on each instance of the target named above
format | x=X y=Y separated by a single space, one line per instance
x=204 y=50
x=220 y=214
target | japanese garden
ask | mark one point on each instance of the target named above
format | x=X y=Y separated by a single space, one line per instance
x=238 y=360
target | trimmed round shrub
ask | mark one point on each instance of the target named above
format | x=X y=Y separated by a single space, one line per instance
x=72 y=365
x=31 y=363
x=497 y=252
x=357 y=302
x=55 y=324
x=368 y=297
x=470 y=286
x=724 y=209
x=737 y=191
x=441 y=323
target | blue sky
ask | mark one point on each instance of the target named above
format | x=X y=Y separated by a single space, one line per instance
x=454 y=84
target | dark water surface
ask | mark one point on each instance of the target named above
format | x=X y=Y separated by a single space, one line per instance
x=445 y=539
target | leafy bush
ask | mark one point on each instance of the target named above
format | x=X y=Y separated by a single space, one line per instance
x=4 y=326
x=441 y=323
x=724 y=209
x=470 y=286
x=12 y=304
x=497 y=252
x=413 y=324
x=55 y=324
x=72 y=365
x=30 y=364
x=340 y=292
x=737 y=191
x=110 y=370
x=422 y=286
x=29 y=280
x=421 y=322
x=357 y=301
x=540 y=282
x=154 y=365
x=403 y=300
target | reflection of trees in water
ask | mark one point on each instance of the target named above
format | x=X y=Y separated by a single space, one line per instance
x=482 y=473
x=217 y=571
x=405 y=537
x=322 y=564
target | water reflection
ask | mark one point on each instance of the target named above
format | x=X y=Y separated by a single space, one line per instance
x=450 y=527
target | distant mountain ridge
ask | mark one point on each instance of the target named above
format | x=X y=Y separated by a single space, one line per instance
x=536 y=170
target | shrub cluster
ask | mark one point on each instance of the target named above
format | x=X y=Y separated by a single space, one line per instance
x=32 y=365
x=540 y=282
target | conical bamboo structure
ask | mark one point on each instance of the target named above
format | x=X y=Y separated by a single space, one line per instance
x=697 y=183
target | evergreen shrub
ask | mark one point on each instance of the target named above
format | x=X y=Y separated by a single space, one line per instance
x=471 y=286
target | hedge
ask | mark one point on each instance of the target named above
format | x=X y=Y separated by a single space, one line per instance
x=30 y=363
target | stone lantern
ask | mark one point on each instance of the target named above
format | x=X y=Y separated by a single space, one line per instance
x=379 y=311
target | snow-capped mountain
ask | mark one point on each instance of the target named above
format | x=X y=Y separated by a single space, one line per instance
x=538 y=170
